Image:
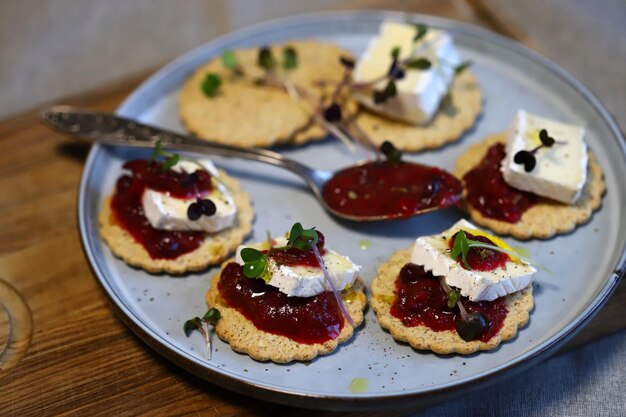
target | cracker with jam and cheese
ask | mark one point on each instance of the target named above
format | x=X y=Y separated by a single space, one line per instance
x=287 y=299
x=536 y=181
x=175 y=215
x=456 y=292
x=431 y=99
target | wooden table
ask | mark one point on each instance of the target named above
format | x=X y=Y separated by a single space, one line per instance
x=82 y=359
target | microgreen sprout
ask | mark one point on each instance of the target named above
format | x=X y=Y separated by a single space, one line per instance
x=202 y=325
x=453 y=298
x=229 y=60
x=290 y=58
x=398 y=67
x=420 y=31
x=265 y=59
x=302 y=238
x=255 y=264
x=392 y=154
x=471 y=325
x=527 y=158
x=347 y=62
x=462 y=245
x=169 y=159
x=332 y=113
x=211 y=84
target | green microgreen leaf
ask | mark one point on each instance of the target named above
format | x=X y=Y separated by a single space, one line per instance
x=212 y=315
x=462 y=67
x=302 y=238
x=395 y=52
x=170 y=162
x=229 y=60
x=211 y=84
x=255 y=263
x=295 y=233
x=192 y=324
x=461 y=247
x=453 y=297
x=265 y=58
x=419 y=64
x=421 y=31
x=290 y=58
x=170 y=159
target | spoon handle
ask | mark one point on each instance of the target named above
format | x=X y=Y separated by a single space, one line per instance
x=110 y=129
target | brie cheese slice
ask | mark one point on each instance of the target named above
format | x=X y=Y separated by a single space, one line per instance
x=306 y=281
x=420 y=92
x=170 y=213
x=560 y=171
x=433 y=253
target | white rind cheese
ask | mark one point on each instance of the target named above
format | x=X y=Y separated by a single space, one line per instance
x=433 y=253
x=303 y=281
x=420 y=91
x=561 y=170
x=169 y=213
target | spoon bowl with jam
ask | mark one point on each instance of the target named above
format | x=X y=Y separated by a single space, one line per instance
x=384 y=189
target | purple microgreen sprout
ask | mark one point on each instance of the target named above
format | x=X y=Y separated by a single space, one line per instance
x=471 y=325
x=265 y=59
x=527 y=158
x=202 y=325
x=393 y=155
x=347 y=62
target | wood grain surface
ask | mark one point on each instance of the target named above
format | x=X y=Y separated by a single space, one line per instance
x=82 y=360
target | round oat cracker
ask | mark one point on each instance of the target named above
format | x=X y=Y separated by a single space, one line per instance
x=546 y=218
x=244 y=337
x=518 y=304
x=448 y=124
x=247 y=114
x=215 y=248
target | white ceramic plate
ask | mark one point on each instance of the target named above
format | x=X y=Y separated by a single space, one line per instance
x=584 y=262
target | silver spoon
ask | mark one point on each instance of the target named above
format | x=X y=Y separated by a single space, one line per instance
x=109 y=129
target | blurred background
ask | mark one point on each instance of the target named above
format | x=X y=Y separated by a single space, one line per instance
x=55 y=49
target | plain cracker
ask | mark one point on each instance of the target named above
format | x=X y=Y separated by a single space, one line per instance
x=247 y=114
x=215 y=248
x=547 y=217
x=244 y=337
x=445 y=126
x=518 y=304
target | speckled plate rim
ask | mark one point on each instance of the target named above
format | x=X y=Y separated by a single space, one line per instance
x=138 y=101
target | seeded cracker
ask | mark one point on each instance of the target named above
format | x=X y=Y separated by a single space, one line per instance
x=247 y=114
x=244 y=337
x=518 y=304
x=448 y=124
x=215 y=248
x=546 y=218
